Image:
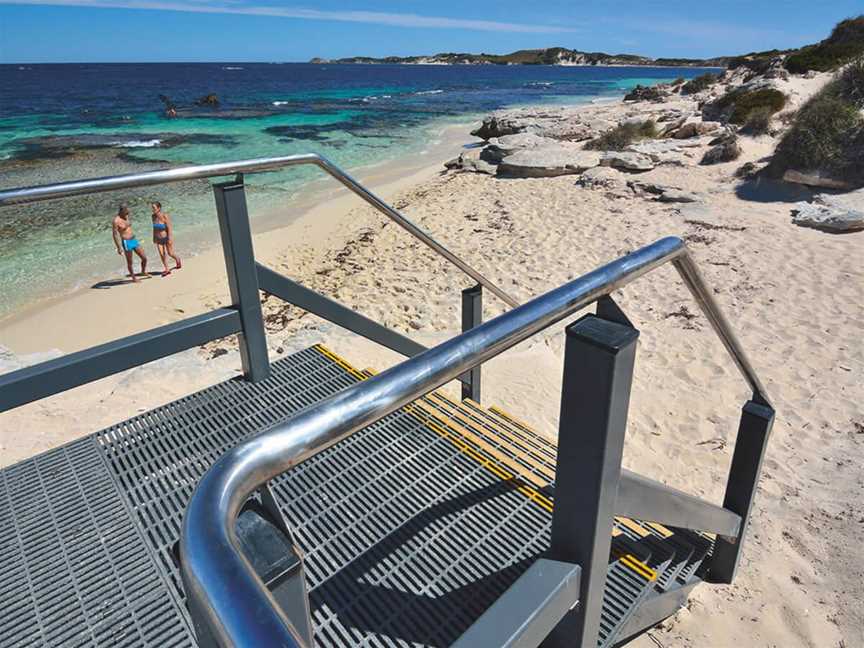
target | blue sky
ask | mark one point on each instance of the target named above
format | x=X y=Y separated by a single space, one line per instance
x=267 y=30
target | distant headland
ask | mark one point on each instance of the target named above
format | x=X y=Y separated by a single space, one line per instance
x=547 y=56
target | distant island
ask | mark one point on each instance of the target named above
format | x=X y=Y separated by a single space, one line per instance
x=548 y=56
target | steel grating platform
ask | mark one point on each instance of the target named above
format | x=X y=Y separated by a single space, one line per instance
x=410 y=529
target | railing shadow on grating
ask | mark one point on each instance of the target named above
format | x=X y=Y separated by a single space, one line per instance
x=230 y=604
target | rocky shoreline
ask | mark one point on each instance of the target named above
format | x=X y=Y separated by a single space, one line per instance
x=606 y=144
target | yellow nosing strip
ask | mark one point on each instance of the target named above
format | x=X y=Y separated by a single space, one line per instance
x=638 y=566
x=460 y=444
x=320 y=348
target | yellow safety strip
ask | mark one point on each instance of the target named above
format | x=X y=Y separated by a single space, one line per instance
x=662 y=530
x=320 y=348
x=526 y=490
x=532 y=494
x=460 y=444
x=636 y=565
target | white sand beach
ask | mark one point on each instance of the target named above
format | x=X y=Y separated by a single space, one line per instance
x=793 y=295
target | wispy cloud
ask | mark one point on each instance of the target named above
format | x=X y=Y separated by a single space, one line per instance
x=372 y=17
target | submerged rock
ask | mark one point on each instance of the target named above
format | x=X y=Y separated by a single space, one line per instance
x=627 y=161
x=548 y=161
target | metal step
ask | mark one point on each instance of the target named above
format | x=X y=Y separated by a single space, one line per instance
x=409 y=529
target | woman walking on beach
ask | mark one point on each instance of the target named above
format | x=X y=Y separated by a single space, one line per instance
x=163 y=237
x=124 y=239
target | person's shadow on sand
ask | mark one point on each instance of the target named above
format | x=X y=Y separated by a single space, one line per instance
x=113 y=283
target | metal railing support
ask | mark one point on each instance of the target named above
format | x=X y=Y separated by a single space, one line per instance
x=599 y=356
x=472 y=316
x=236 y=236
x=753 y=433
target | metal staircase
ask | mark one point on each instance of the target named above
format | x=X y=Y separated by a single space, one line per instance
x=309 y=503
x=409 y=530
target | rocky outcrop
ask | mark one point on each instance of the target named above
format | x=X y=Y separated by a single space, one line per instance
x=815 y=179
x=696 y=129
x=723 y=149
x=470 y=161
x=635 y=162
x=497 y=126
x=500 y=147
x=601 y=178
x=662 y=193
x=547 y=161
x=836 y=214
x=646 y=93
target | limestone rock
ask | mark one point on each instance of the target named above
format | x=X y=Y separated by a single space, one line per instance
x=830 y=218
x=657 y=150
x=497 y=126
x=500 y=147
x=645 y=93
x=678 y=196
x=627 y=161
x=601 y=178
x=470 y=161
x=695 y=129
x=724 y=149
x=814 y=179
x=548 y=161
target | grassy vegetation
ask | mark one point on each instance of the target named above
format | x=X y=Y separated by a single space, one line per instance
x=740 y=103
x=845 y=43
x=623 y=136
x=828 y=131
x=699 y=83
x=758 y=121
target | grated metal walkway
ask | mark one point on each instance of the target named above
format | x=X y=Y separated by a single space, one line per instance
x=410 y=528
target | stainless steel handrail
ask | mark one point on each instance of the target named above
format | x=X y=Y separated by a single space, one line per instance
x=221 y=584
x=198 y=172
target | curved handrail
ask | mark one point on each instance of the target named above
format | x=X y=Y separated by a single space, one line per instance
x=220 y=582
x=201 y=171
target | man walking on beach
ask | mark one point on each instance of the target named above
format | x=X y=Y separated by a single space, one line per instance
x=163 y=237
x=124 y=239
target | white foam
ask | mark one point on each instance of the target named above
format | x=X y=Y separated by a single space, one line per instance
x=232 y=68
x=138 y=143
x=428 y=92
x=281 y=103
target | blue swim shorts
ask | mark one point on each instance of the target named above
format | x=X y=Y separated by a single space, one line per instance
x=130 y=244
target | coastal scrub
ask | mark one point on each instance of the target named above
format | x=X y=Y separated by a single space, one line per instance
x=623 y=136
x=828 y=132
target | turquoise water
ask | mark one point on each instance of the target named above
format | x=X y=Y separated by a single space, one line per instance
x=69 y=122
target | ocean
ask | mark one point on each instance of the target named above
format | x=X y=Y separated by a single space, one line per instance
x=72 y=121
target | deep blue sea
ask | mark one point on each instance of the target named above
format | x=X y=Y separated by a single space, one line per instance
x=62 y=122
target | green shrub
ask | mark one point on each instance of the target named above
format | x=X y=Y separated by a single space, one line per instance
x=758 y=121
x=623 y=136
x=845 y=43
x=699 y=83
x=740 y=103
x=850 y=83
x=827 y=135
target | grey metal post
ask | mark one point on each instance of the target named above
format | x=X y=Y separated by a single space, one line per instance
x=242 y=276
x=753 y=433
x=598 y=371
x=472 y=316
